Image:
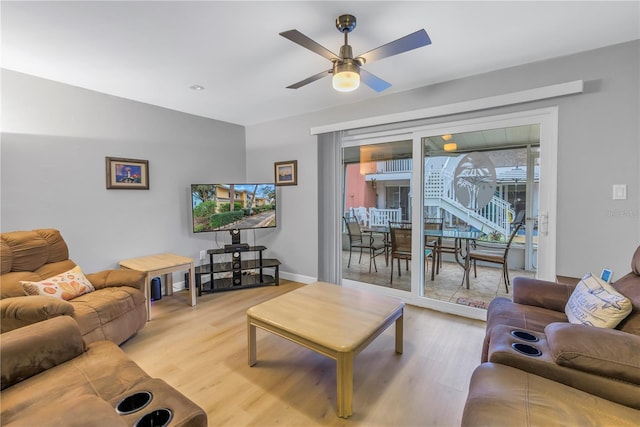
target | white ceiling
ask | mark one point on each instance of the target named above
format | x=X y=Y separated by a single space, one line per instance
x=154 y=51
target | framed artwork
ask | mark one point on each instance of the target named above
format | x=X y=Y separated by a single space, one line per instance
x=286 y=172
x=127 y=174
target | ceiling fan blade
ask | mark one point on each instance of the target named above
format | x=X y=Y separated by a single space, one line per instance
x=374 y=82
x=412 y=41
x=304 y=41
x=310 y=79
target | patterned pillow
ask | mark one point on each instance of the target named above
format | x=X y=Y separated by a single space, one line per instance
x=66 y=286
x=596 y=303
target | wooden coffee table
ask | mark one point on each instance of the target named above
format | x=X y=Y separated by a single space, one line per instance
x=334 y=321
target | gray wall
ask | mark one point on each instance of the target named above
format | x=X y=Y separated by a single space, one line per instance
x=55 y=138
x=599 y=145
x=54 y=141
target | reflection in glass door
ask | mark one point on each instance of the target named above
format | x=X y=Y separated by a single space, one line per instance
x=377 y=179
x=478 y=186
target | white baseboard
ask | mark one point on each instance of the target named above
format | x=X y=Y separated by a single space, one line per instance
x=178 y=286
x=297 y=277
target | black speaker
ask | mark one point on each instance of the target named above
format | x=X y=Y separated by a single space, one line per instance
x=236 y=264
x=156 y=289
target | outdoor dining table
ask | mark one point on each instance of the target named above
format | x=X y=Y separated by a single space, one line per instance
x=466 y=236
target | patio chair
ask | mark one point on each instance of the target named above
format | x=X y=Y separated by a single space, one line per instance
x=361 y=215
x=493 y=255
x=360 y=240
x=431 y=243
x=400 y=236
x=443 y=246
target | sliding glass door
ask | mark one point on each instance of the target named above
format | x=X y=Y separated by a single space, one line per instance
x=457 y=186
x=481 y=194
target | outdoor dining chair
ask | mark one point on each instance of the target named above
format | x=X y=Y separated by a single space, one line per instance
x=400 y=236
x=360 y=240
x=432 y=243
x=495 y=256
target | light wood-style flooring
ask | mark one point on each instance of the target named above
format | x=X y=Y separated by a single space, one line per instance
x=202 y=352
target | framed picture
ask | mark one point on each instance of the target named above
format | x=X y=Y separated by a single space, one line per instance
x=606 y=275
x=127 y=174
x=286 y=172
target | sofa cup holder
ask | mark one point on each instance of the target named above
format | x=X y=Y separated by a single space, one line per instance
x=526 y=349
x=524 y=336
x=134 y=402
x=157 y=418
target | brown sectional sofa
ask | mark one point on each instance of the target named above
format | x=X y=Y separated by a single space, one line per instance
x=115 y=311
x=51 y=377
x=539 y=369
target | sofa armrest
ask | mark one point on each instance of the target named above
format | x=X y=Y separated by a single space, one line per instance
x=599 y=351
x=540 y=293
x=35 y=348
x=21 y=311
x=115 y=278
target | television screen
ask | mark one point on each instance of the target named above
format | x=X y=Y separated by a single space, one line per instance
x=254 y=206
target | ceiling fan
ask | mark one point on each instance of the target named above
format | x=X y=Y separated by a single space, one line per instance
x=347 y=71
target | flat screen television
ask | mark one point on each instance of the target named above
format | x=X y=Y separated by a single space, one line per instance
x=254 y=206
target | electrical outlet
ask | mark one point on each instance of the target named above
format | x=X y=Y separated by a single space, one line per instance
x=203 y=255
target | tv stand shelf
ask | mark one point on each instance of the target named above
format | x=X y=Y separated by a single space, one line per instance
x=244 y=273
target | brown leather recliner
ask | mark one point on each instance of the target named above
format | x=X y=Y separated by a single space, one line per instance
x=537 y=303
x=539 y=369
x=50 y=377
x=115 y=311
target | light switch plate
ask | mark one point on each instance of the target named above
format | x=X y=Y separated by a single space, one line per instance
x=619 y=191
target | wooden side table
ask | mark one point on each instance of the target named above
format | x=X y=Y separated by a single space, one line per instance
x=162 y=264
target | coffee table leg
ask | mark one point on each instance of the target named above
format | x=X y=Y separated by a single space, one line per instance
x=399 y=333
x=344 y=383
x=251 y=336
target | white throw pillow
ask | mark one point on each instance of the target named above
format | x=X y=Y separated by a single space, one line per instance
x=66 y=286
x=596 y=303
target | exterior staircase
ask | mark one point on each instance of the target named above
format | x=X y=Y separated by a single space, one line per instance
x=439 y=192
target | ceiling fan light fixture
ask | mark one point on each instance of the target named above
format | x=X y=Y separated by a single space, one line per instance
x=346 y=77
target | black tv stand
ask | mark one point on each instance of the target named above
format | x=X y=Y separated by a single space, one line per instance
x=236 y=273
x=235 y=237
